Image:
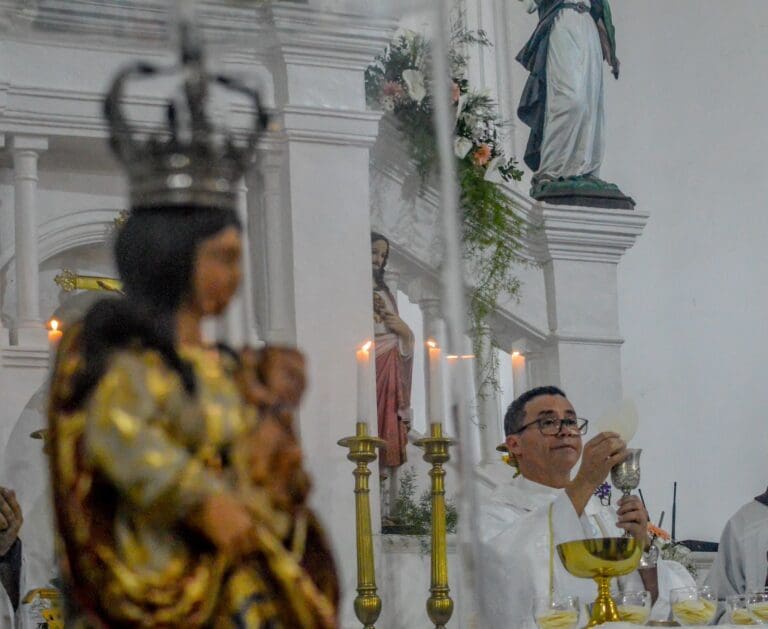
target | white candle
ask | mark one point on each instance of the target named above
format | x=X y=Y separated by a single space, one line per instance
x=436 y=406
x=364 y=380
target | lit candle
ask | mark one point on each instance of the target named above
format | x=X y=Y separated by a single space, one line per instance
x=54 y=334
x=519 y=380
x=436 y=406
x=364 y=379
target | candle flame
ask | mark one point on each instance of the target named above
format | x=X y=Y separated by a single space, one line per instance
x=432 y=343
x=515 y=354
x=367 y=346
x=54 y=325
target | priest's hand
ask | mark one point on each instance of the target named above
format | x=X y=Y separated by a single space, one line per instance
x=600 y=454
x=633 y=518
x=10 y=520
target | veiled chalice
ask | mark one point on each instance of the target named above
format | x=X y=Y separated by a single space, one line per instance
x=601 y=559
x=626 y=475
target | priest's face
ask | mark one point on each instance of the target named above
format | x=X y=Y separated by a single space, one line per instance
x=547 y=459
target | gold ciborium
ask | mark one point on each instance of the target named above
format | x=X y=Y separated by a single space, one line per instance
x=601 y=559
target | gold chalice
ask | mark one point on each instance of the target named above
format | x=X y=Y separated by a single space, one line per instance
x=601 y=559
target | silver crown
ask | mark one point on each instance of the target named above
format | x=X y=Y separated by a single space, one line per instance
x=195 y=165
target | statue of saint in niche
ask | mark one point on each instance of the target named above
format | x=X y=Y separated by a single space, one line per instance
x=563 y=102
x=394 y=344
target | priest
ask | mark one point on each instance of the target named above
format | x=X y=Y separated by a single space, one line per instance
x=546 y=505
x=741 y=563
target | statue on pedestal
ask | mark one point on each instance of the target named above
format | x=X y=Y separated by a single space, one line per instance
x=394 y=345
x=563 y=102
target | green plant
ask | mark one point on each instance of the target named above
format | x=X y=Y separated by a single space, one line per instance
x=399 y=83
x=414 y=516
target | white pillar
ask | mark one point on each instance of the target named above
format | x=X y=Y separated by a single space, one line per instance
x=276 y=240
x=30 y=329
x=488 y=403
x=433 y=327
x=583 y=354
x=240 y=319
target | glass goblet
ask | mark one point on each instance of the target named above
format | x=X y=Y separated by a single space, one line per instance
x=737 y=612
x=634 y=607
x=757 y=603
x=693 y=605
x=556 y=612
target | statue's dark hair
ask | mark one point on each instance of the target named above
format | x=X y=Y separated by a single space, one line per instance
x=155 y=254
x=378 y=275
x=515 y=415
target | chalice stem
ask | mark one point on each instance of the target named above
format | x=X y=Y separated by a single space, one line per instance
x=627 y=493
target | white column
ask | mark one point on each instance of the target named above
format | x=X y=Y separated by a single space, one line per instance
x=584 y=247
x=240 y=320
x=277 y=244
x=488 y=403
x=30 y=329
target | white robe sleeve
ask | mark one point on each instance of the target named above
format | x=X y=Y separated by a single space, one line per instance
x=727 y=576
x=513 y=544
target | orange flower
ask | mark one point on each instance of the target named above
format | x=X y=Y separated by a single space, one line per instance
x=660 y=533
x=482 y=155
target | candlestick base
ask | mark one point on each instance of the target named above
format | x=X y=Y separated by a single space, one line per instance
x=439 y=604
x=362 y=451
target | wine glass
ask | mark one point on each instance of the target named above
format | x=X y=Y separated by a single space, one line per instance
x=693 y=605
x=556 y=612
x=737 y=610
x=757 y=603
x=634 y=607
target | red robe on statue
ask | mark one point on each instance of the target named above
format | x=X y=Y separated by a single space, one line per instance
x=394 y=373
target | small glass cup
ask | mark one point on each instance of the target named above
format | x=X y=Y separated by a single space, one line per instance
x=737 y=610
x=634 y=607
x=757 y=603
x=693 y=605
x=556 y=612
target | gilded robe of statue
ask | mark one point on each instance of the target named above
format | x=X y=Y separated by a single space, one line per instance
x=394 y=372
x=129 y=466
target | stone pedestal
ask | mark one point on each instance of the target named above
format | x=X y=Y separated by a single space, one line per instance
x=582 y=248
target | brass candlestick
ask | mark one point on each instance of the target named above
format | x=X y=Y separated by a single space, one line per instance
x=439 y=604
x=362 y=451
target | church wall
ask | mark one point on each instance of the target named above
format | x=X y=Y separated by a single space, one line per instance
x=687 y=138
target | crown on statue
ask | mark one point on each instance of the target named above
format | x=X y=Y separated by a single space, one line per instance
x=189 y=162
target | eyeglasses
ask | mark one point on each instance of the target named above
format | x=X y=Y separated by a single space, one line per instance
x=551 y=426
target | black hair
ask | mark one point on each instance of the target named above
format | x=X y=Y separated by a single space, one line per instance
x=155 y=254
x=515 y=415
x=378 y=274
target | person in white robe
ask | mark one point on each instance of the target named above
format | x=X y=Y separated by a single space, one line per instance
x=741 y=563
x=528 y=517
x=25 y=470
x=11 y=520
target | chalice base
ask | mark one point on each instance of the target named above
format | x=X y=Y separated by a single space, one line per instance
x=604 y=609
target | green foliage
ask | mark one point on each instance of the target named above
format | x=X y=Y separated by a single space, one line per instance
x=398 y=82
x=414 y=516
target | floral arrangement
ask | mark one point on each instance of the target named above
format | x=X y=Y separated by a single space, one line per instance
x=399 y=83
x=671 y=550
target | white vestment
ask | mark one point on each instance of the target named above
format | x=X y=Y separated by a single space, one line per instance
x=515 y=560
x=573 y=142
x=25 y=470
x=741 y=563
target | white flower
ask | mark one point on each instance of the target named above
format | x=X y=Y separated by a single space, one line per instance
x=462 y=146
x=414 y=81
x=492 y=172
x=388 y=103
